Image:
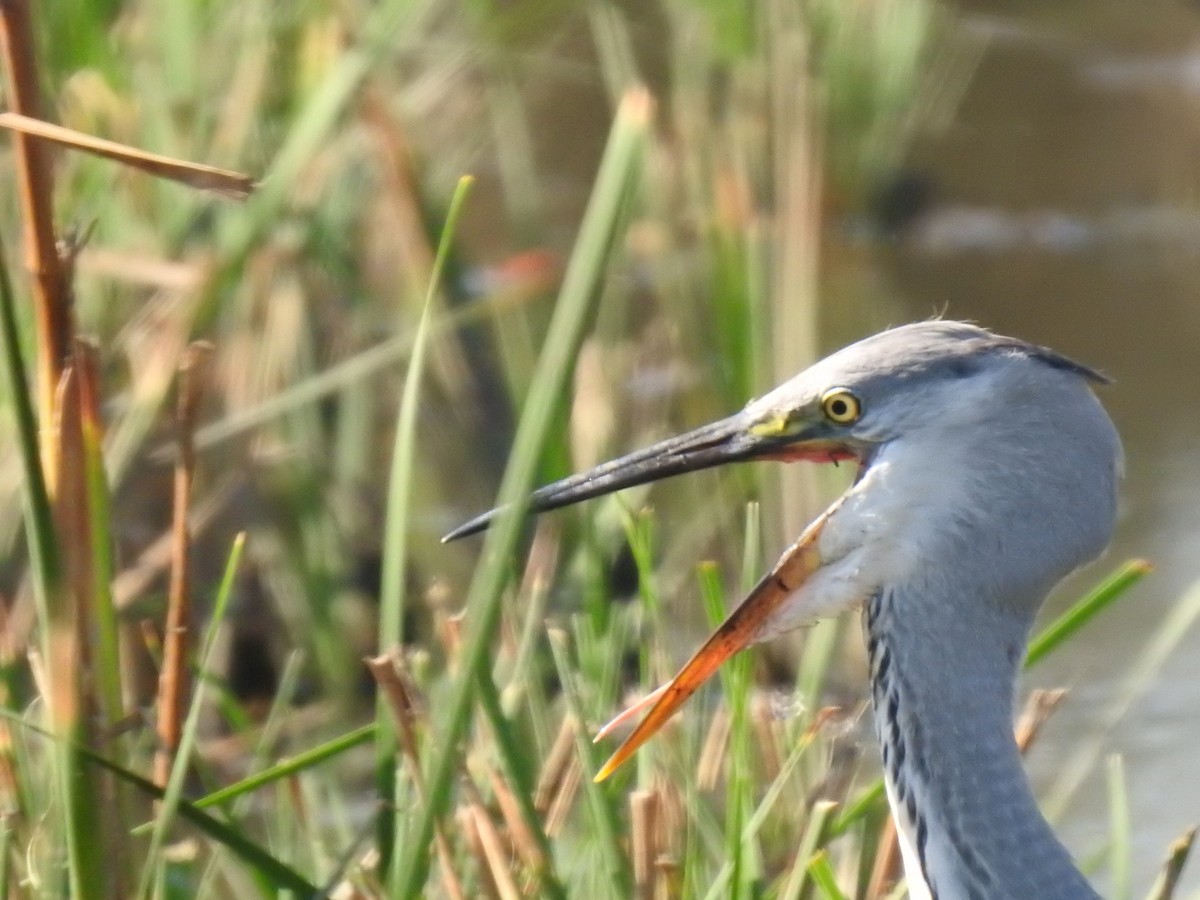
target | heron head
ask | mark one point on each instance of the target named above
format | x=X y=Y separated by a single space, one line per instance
x=975 y=448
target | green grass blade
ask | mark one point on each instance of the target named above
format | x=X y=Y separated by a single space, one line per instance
x=107 y=650
x=580 y=284
x=39 y=517
x=6 y=849
x=173 y=793
x=744 y=846
x=289 y=767
x=823 y=878
x=864 y=803
x=1120 y=844
x=1173 y=627
x=1085 y=609
x=813 y=834
x=603 y=818
x=282 y=876
x=821 y=645
x=395 y=544
x=758 y=820
x=735 y=681
x=396 y=529
x=47 y=577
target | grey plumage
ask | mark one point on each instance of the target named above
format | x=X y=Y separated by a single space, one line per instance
x=987 y=471
x=1004 y=467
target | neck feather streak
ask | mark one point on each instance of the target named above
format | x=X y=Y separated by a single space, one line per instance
x=942 y=684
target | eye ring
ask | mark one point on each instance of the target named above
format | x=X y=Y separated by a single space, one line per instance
x=841 y=406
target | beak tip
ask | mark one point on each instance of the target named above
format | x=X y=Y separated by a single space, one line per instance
x=466 y=529
x=605 y=771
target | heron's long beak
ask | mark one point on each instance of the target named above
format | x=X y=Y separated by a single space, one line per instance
x=729 y=440
x=711 y=445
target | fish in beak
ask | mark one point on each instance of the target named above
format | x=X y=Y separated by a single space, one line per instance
x=748 y=435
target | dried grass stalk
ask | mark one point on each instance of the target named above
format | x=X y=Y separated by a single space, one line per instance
x=173 y=686
x=388 y=672
x=51 y=284
x=194 y=175
x=643 y=840
x=1177 y=857
x=523 y=840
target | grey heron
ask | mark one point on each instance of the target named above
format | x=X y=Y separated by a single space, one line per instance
x=987 y=471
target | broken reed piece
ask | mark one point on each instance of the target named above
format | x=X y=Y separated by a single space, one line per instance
x=224 y=182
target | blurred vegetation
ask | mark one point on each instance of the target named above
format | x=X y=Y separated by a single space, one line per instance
x=662 y=192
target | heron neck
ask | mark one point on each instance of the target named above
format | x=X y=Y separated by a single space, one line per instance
x=943 y=670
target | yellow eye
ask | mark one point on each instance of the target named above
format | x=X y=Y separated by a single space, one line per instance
x=841 y=406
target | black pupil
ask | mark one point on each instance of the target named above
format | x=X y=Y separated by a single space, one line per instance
x=839 y=407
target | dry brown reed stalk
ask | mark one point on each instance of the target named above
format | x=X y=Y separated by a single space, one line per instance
x=70 y=610
x=94 y=611
x=496 y=850
x=152 y=640
x=643 y=841
x=204 y=178
x=363 y=885
x=523 y=840
x=564 y=798
x=768 y=753
x=140 y=269
x=555 y=766
x=1038 y=707
x=887 y=869
x=388 y=672
x=671 y=823
x=449 y=629
x=51 y=287
x=75 y=516
x=1177 y=857
x=468 y=827
x=173 y=676
x=668 y=879
x=712 y=752
x=299 y=808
